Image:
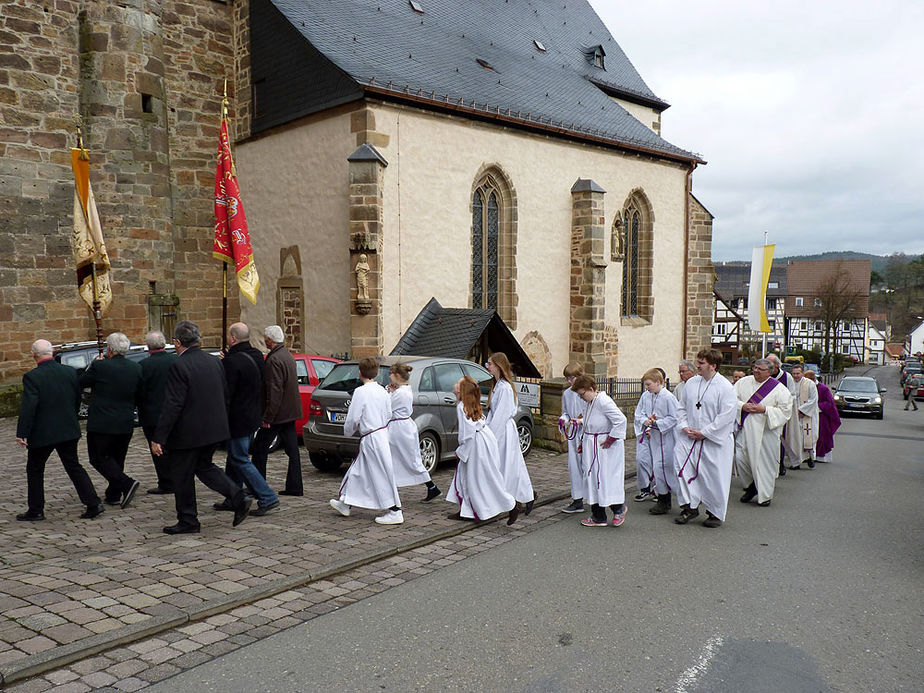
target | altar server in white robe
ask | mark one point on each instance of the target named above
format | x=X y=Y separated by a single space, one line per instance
x=791 y=439
x=502 y=405
x=705 y=445
x=806 y=404
x=570 y=422
x=403 y=436
x=370 y=480
x=764 y=407
x=477 y=487
x=603 y=453
x=655 y=422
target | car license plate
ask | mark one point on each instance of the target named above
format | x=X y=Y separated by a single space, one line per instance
x=337 y=416
x=856 y=406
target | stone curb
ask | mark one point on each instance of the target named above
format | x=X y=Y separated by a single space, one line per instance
x=63 y=655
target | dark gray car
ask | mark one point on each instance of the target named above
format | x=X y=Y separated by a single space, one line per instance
x=859 y=394
x=432 y=380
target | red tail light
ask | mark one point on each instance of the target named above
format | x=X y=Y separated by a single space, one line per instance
x=314 y=409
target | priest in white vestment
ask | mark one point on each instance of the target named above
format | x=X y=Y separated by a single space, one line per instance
x=791 y=439
x=705 y=446
x=806 y=405
x=764 y=407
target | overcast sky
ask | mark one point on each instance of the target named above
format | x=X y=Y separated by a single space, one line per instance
x=810 y=114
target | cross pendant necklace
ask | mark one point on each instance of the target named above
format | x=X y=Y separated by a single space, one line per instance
x=700 y=395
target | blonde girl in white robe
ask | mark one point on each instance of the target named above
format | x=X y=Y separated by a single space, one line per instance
x=403 y=436
x=604 y=454
x=655 y=422
x=370 y=480
x=477 y=487
x=570 y=422
x=502 y=405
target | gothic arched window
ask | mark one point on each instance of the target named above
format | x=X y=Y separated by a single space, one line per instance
x=637 y=246
x=494 y=246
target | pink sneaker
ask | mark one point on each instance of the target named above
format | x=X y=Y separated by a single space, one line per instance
x=621 y=517
x=591 y=522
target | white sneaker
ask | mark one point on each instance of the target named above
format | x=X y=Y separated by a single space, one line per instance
x=340 y=506
x=392 y=517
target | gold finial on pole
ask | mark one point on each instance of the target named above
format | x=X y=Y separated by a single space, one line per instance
x=78 y=122
x=224 y=101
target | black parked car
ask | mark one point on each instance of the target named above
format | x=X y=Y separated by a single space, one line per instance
x=432 y=380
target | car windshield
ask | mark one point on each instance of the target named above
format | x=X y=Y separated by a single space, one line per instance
x=856 y=385
x=913 y=368
x=345 y=378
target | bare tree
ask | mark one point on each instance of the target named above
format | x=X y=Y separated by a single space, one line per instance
x=837 y=297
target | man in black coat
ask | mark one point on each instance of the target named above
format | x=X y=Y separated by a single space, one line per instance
x=114 y=384
x=244 y=373
x=48 y=421
x=153 y=382
x=193 y=421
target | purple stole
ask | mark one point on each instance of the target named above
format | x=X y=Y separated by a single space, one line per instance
x=765 y=389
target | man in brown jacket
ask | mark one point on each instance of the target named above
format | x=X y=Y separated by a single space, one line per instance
x=282 y=405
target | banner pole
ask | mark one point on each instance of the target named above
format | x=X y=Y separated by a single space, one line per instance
x=224 y=305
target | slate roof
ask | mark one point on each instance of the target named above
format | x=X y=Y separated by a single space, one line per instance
x=432 y=59
x=732 y=280
x=452 y=332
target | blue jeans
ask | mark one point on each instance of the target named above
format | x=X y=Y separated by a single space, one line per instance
x=241 y=471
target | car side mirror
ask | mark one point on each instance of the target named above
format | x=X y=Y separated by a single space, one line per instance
x=882 y=389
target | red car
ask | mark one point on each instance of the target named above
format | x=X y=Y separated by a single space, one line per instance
x=311 y=370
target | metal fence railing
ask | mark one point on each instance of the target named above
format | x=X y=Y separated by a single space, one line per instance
x=624 y=389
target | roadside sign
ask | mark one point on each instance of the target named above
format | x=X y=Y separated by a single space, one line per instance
x=528 y=394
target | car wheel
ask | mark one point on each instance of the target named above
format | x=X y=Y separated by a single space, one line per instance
x=881 y=412
x=525 y=434
x=324 y=462
x=429 y=451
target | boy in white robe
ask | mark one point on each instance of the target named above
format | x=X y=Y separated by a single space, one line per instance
x=705 y=446
x=764 y=407
x=806 y=414
x=603 y=453
x=570 y=421
x=655 y=422
x=370 y=480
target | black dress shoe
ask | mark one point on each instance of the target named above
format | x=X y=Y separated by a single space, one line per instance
x=286 y=492
x=181 y=529
x=93 y=511
x=765 y=504
x=811 y=463
x=749 y=493
x=241 y=511
x=432 y=493
x=129 y=494
x=265 y=510
x=30 y=516
x=158 y=491
x=224 y=505
x=513 y=514
x=528 y=508
x=109 y=501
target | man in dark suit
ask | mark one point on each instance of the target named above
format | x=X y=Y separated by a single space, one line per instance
x=114 y=384
x=282 y=406
x=244 y=374
x=194 y=419
x=153 y=381
x=48 y=421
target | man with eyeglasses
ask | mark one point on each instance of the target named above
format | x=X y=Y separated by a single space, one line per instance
x=764 y=407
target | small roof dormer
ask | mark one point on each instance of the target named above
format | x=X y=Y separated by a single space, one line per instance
x=598 y=57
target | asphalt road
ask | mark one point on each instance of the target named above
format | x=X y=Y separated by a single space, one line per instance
x=822 y=591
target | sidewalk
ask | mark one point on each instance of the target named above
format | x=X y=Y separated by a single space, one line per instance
x=70 y=588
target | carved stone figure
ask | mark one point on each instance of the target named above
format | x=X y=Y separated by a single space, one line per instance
x=362 y=270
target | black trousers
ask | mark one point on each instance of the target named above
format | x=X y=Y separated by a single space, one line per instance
x=185 y=467
x=161 y=462
x=35 y=474
x=289 y=440
x=107 y=455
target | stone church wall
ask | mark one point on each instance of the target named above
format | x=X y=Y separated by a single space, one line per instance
x=146 y=76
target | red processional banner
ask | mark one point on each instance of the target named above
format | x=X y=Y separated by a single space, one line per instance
x=232 y=240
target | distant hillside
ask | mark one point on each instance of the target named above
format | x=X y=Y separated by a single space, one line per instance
x=877 y=262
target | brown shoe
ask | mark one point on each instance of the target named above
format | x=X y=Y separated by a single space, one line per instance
x=711 y=521
x=686 y=516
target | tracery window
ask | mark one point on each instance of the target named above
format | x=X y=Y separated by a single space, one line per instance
x=637 y=250
x=494 y=246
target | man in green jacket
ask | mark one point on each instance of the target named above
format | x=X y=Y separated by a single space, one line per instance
x=47 y=422
x=115 y=383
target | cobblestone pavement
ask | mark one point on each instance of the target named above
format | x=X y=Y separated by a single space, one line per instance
x=132 y=605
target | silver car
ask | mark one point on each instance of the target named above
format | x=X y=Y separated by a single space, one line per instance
x=432 y=380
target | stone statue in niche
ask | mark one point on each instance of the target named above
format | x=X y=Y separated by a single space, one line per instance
x=617 y=241
x=362 y=270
